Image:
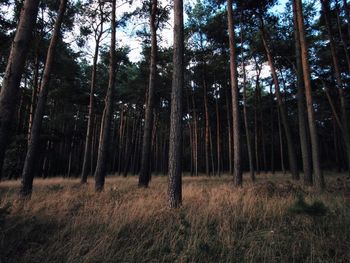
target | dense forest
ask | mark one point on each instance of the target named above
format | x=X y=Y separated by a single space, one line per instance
x=174 y=131
x=258 y=86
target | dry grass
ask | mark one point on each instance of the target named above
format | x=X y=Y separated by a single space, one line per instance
x=66 y=222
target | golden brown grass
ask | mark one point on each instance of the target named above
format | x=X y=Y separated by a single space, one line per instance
x=66 y=222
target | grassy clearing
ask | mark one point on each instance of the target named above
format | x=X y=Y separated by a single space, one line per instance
x=66 y=222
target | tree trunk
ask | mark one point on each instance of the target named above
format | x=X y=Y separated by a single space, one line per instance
x=207 y=128
x=337 y=73
x=229 y=127
x=235 y=93
x=27 y=173
x=293 y=166
x=175 y=151
x=303 y=134
x=145 y=170
x=308 y=94
x=245 y=116
x=13 y=73
x=90 y=125
x=101 y=166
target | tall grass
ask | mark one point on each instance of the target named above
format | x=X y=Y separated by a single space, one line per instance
x=66 y=222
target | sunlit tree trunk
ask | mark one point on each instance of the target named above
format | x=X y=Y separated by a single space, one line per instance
x=303 y=134
x=308 y=94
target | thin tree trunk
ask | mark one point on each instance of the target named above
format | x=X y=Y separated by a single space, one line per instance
x=88 y=138
x=290 y=144
x=308 y=94
x=195 y=127
x=101 y=166
x=229 y=127
x=27 y=173
x=245 y=115
x=218 y=141
x=145 y=171
x=235 y=93
x=272 y=133
x=13 y=73
x=175 y=138
x=206 y=111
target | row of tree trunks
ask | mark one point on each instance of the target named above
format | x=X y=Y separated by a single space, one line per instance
x=344 y=117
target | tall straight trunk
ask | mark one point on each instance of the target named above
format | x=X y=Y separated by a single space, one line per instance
x=229 y=129
x=195 y=128
x=245 y=116
x=28 y=169
x=293 y=166
x=207 y=128
x=218 y=141
x=101 y=166
x=281 y=141
x=90 y=125
x=175 y=138
x=256 y=134
x=308 y=94
x=13 y=73
x=303 y=133
x=235 y=93
x=337 y=73
x=272 y=132
x=145 y=170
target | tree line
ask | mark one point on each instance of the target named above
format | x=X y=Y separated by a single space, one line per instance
x=246 y=86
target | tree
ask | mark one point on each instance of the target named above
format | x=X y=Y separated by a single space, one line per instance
x=175 y=136
x=14 y=71
x=145 y=170
x=237 y=170
x=101 y=167
x=308 y=94
x=27 y=173
x=98 y=32
x=303 y=134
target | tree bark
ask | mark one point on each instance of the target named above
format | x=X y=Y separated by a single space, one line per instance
x=28 y=169
x=308 y=94
x=293 y=166
x=101 y=166
x=245 y=116
x=235 y=93
x=13 y=73
x=175 y=138
x=303 y=133
x=337 y=74
x=90 y=125
x=145 y=170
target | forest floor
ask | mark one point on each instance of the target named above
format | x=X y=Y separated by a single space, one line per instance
x=274 y=220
